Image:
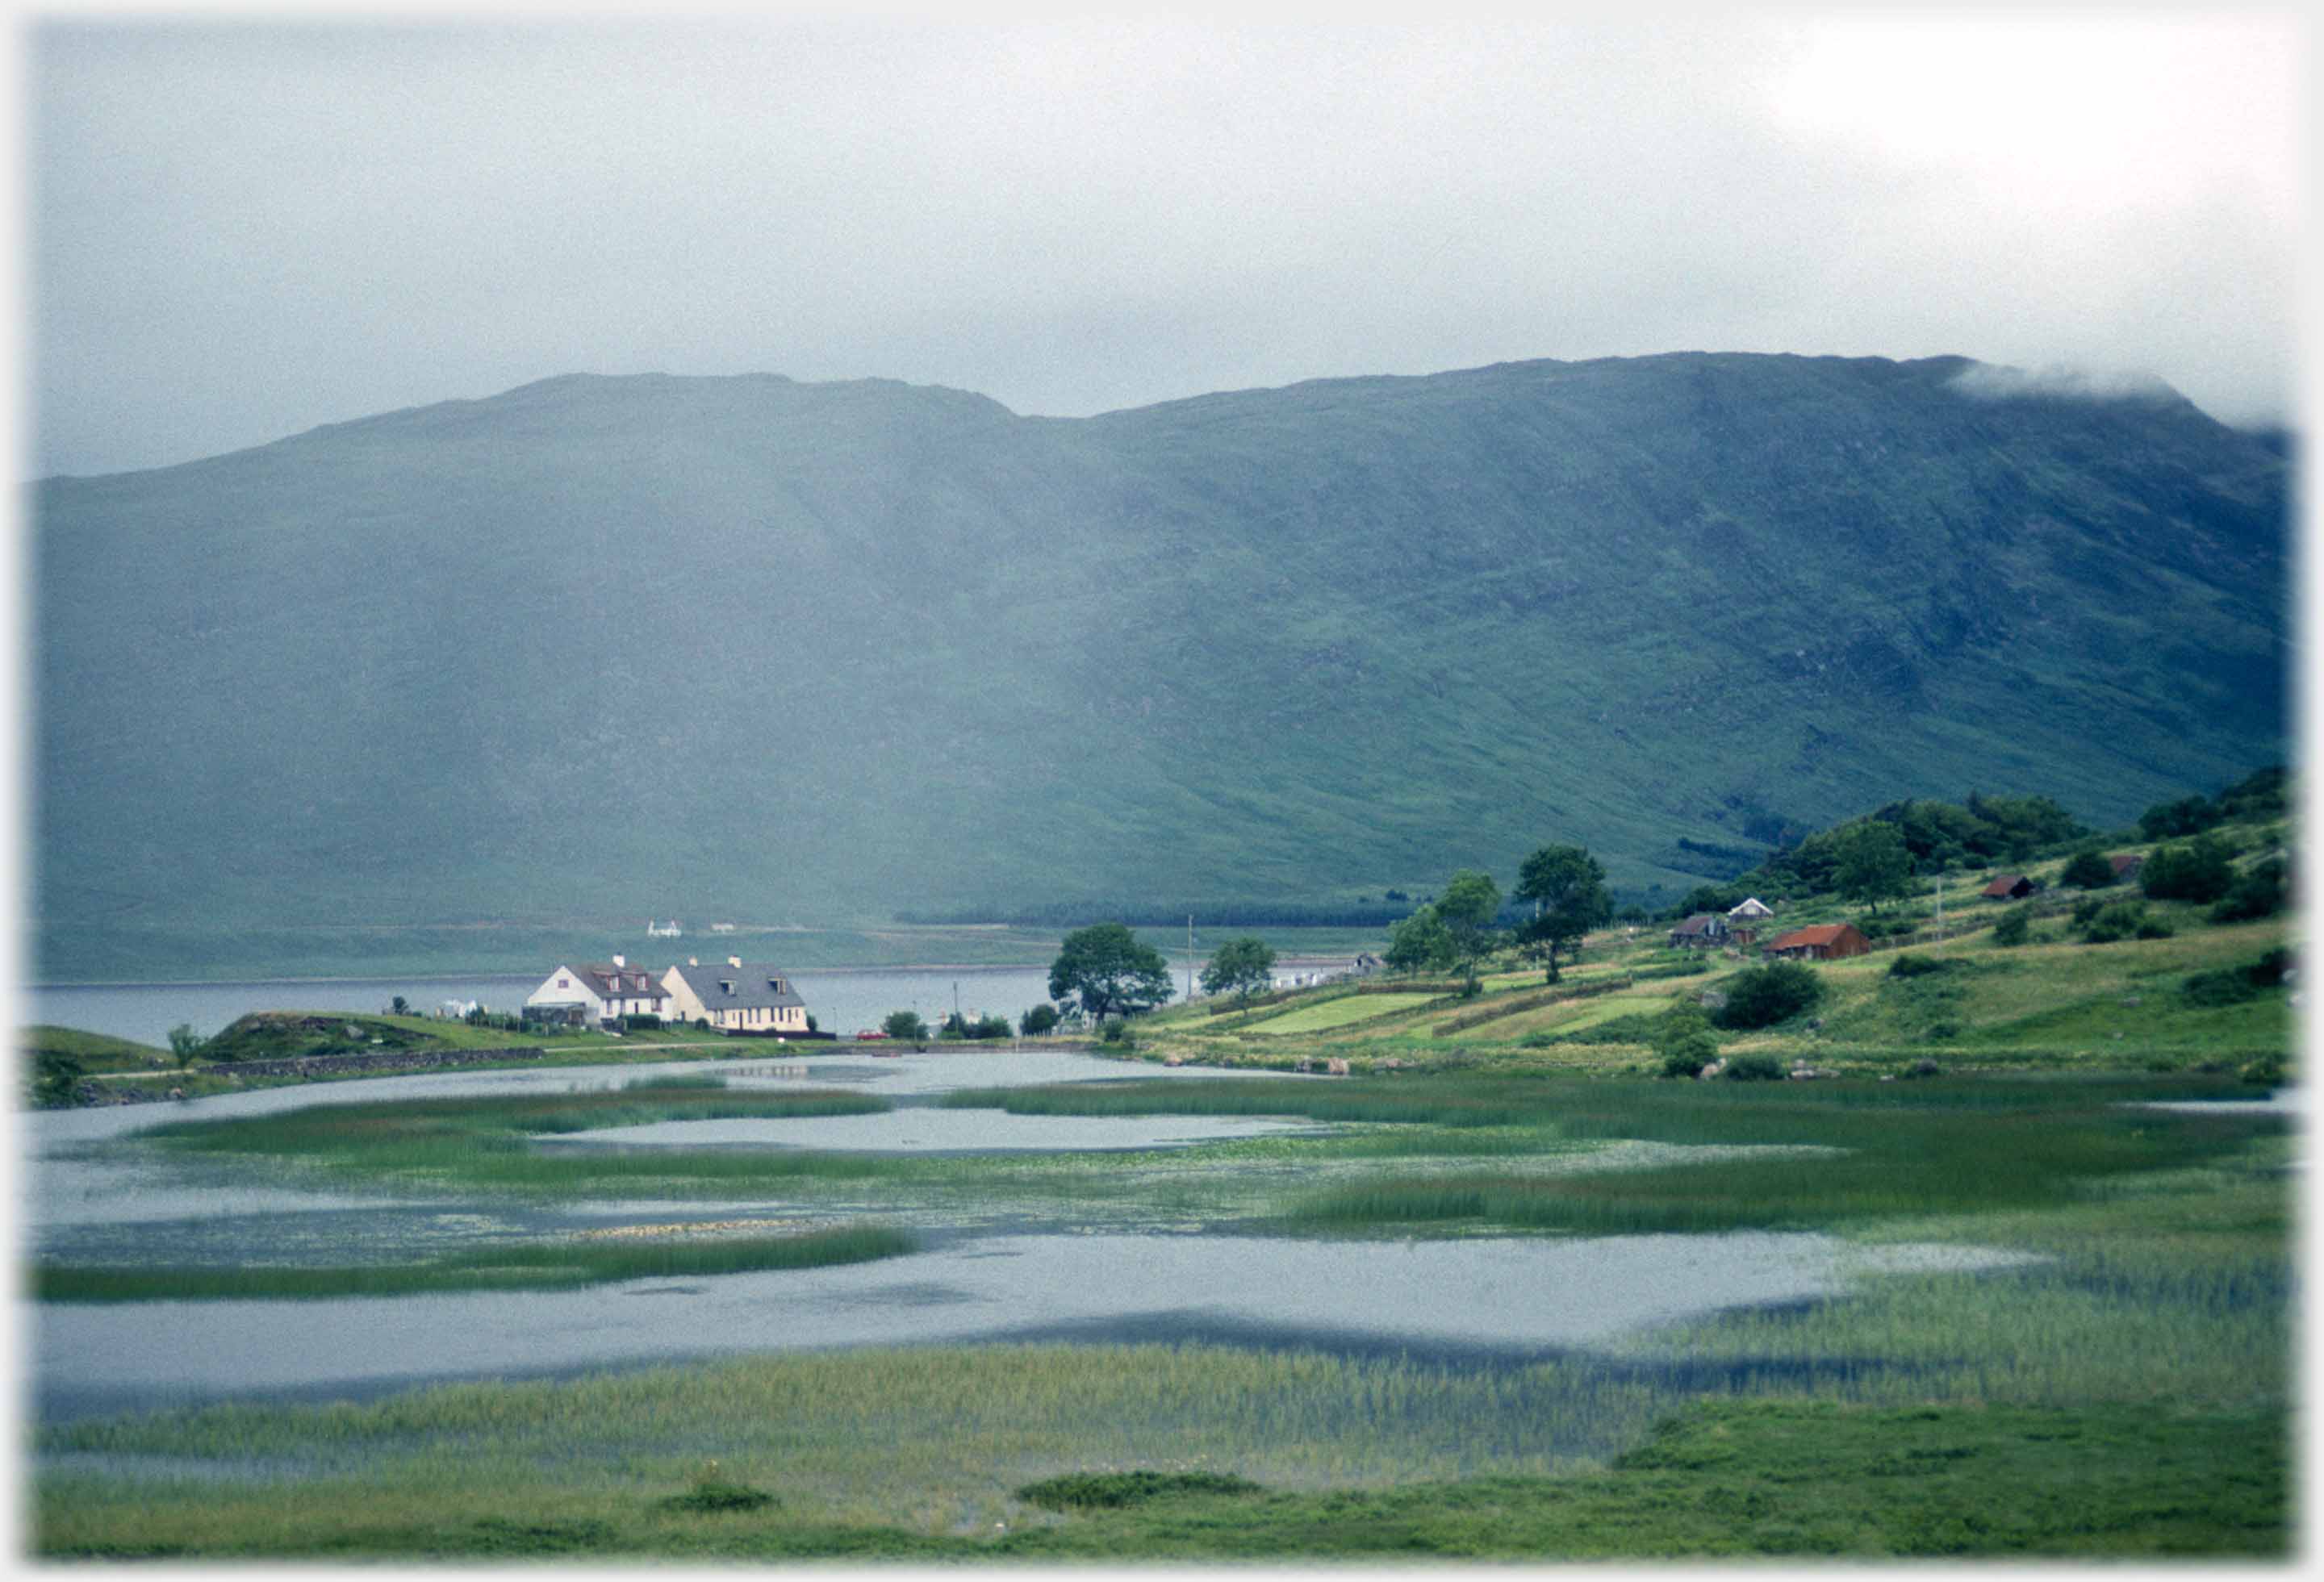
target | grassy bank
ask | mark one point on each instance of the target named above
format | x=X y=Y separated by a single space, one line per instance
x=541 y=1265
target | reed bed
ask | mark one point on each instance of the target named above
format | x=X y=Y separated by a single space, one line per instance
x=485 y=1142
x=1912 y=1155
x=1470 y=1102
x=534 y=1266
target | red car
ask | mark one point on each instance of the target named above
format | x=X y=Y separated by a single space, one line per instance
x=867 y=1034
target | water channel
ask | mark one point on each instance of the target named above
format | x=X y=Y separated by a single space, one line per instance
x=1505 y=1296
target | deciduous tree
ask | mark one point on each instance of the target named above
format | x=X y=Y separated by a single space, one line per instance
x=1105 y=971
x=1471 y=902
x=1873 y=865
x=1239 y=966
x=1569 y=887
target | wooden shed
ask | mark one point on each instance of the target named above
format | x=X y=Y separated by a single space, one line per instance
x=2009 y=886
x=1826 y=941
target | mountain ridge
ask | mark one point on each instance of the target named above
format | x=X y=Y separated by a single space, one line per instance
x=629 y=643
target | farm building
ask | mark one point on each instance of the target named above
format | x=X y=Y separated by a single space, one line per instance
x=2009 y=886
x=1700 y=932
x=1825 y=941
x=2126 y=866
x=1751 y=911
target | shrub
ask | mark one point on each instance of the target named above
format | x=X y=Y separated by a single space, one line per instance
x=1753 y=1068
x=2226 y=987
x=2087 y=870
x=56 y=1079
x=1115 y=1033
x=1688 y=1049
x=2119 y=920
x=2258 y=892
x=1924 y=1067
x=2015 y=925
x=905 y=1027
x=2268 y=1072
x=702 y=1023
x=640 y=1021
x=989 y=1026
x=1764 y=996
x=1040 y=1020
x=1907 y=965
x=1111 y=1490
x=2199 y=870
x=713 y=1493
x=2272 y=967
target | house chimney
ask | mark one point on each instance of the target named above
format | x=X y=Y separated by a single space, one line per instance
x=734 y=960
x=620 y=960
x=692 y=962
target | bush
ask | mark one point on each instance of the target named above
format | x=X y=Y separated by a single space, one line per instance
x=641 y=1022
x=702 y=1023
x=905 y=1027
x=714 y=1493
x=1688 y=1049
x=1086 y=1491
x=2199 y=871
x=1040 y=1020
x=2087 y=870
x=2268 y=1072
x=2270 y=969
x=1923 y=1069
x=2120 y=920
x=2226 y=987
x=1908 y=965
x=1764 y=996
x=2015 y=925
x=1116 y=1035
x=1753 y=1068
x=2258 y=892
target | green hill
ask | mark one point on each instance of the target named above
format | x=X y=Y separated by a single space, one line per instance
x=742 y=647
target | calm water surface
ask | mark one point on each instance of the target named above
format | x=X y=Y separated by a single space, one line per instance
x=1520 y=1296
x=840 y=999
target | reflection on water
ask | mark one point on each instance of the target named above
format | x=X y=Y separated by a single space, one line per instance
x=1523 y=1296
x=976 y=1279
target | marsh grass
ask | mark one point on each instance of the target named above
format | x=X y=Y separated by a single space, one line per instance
x=484 y=1142
x=1413 y=1100
x=528 y=1267
x=1903 y=1151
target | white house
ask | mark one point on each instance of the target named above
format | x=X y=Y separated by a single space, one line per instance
x=1751 y=910
x=595 y=993
x=736 y=997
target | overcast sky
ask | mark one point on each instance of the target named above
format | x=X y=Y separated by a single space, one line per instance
x=238 y=231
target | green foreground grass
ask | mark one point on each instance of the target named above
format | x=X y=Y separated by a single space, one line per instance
x=2128 y=1395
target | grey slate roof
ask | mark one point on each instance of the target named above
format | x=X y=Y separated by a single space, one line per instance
x=752 y=983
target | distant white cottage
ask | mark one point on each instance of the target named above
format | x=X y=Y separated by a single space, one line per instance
x=654 y=931
x=1752 y=909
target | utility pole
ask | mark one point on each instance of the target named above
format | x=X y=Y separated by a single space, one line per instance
x=1190 y=956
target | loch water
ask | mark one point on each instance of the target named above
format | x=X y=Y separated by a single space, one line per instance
x=1510 y=1297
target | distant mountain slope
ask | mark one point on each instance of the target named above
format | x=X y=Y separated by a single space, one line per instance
x=606 y=647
